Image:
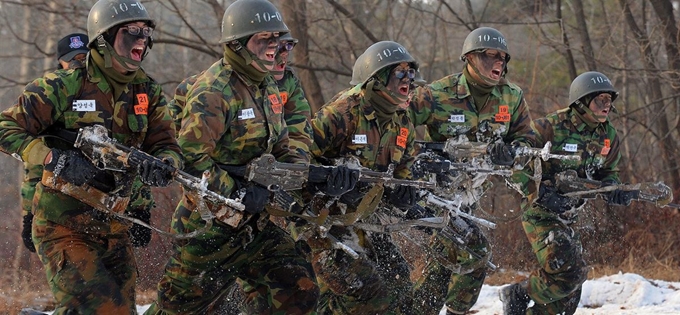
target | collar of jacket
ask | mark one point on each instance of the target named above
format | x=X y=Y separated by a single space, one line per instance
x=463 y=89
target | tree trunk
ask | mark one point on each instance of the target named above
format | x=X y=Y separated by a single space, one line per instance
x=664 y=10
x=295 y=13
x=655 y=89
x=582 y=29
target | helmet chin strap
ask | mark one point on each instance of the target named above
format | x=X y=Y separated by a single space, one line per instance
x=249 y=56
x=107 y=50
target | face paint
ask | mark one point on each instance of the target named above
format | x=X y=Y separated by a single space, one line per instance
x=601 y=105
x=282 y=59
x=130 y=46
x=490 y=64
x=400 y=86
x=264 y=45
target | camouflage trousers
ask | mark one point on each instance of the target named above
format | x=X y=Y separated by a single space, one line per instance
x=556 y=287
x=88 y=273
x=202 y=269
x=458 y=283
x=349 y=282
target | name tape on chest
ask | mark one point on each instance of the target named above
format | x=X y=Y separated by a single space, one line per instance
x=247 y=113
x=568 y=147
x=457 y=118
x=84 y=106
x=360 y=139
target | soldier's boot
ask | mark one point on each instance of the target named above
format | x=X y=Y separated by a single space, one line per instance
x=515 y=299
x=30 y=311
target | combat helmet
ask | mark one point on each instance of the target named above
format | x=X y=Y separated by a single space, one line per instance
x=485 y=38
x=244 y=18
x=588 y=83
x=378 y=56
x=105 y=14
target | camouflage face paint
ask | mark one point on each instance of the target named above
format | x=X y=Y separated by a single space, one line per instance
x=490 y=63
x=264 y=45
x=601 y=105
x=400 y=86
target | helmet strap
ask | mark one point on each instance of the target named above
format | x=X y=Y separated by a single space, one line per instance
x=248 y=56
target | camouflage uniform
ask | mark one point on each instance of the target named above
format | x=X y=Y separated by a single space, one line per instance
x=556 y=287
x=178 y=102
x=447 y=108
x=296 y=111
x=263 y=256
x=86 y=253
x=348 y=127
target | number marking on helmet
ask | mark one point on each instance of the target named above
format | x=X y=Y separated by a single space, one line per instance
x=266 y=16
x=123 y=7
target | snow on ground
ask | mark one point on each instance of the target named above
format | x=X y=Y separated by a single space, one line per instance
x=611 y=295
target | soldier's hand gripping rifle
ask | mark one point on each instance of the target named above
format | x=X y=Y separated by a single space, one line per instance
x=569 y=184
x=106 y=153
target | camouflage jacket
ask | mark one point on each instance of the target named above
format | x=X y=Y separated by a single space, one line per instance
x=599 y=148
x=447 y=108
x=296 y=111
x=349 y=127
x=75 y=98
x=178 y=102
x=230 y=122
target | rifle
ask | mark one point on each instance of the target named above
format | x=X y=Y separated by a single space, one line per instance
x=107 y=154
x=569 y=184
x=462 y=148
x=268 y=172
x=386 y=178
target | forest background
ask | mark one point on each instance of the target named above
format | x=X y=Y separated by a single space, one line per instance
x=634 y=42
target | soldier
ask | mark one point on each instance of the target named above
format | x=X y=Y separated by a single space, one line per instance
x=234 y=114
x=482 y=105
x=84 y=247
x=71 y=52
x=583 y=128
x=364 y=123
x=296 y=109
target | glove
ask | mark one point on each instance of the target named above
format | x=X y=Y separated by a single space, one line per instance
x=622 y=197
x=140 y=236
x=403 y=197
x=353 y=197
x=156 y=173
x=333 y=181
x=27 y=234
x=72 y=166
x=253 y=196
x=500 y=154
x=553 y=201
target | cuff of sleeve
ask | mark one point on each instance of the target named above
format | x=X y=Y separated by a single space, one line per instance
x=35 y=152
